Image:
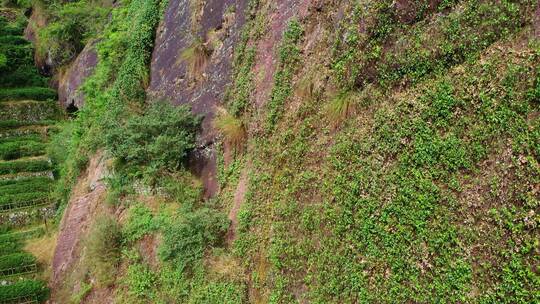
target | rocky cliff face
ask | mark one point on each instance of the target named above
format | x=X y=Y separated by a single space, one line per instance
x=216 y=24
x=69 y=95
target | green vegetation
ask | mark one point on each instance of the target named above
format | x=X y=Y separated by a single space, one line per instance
x=140 y=222
x=33 y=93
x=22 y=198
x=26 y=289
x=289 y=56
x=69 y=28
x=427 y=191
x=32 y=165
x=27 y=112
x=185 y=241
x=160 y=139
x=15 y=148
x=10 y=246
x=36 y=184
x=232 y=130
x=30 y=110
x=103 y=246
x=391 y=52
x=16 y=260
x=9 y=124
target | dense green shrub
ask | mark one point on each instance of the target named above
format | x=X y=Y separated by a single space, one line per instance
x=13 y=40
x=140 y=222
x=17 y=55
x=159 y=139
x=22 y=198
x=17 y=149
x=34 y=165
x=36 y=184
x=22 y=138
x=33 y=93
x=16 y=260
x=8 y=124
x=9 y=246
x=187 y=238
x=140 y=279
x=25 y=288
x=8 y=28
x=103 y=247
x=22 y=76
x=71 y=25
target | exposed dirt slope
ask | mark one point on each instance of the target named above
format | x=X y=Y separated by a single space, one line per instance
x=87 y=194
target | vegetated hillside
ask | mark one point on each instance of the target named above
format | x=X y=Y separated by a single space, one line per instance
x=28 y=114
x=364 y=151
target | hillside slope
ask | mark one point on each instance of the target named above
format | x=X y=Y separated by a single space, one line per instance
x=317 y=151
x=28 y=114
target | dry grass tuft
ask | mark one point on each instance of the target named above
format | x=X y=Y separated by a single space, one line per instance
x=43 y=249
x=306 y=88
x=196 y=56
x=341 y=107
x=231 y=128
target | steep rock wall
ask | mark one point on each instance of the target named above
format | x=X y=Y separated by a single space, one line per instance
x=170 y=79
x=219 y=24
x=74 y=77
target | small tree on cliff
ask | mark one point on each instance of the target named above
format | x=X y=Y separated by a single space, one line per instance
x=159 y=139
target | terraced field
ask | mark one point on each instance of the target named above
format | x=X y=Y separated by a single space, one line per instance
x=28 y=112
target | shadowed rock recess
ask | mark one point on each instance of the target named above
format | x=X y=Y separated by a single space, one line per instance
x=257 y=151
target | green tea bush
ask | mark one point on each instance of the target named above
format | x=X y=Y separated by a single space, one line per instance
x=37 y=184
x=13 y=40
x=16 y=260
x=17 y=149
x=22 y=198
x=12 y=167
x=9 y=246
x=22 y=76
x=32 y=93
x=103 y=247
x=9 y=124
x=25 y=288
x=17 y=55
x=185 y=241
x=159 y=139
x=14 y=139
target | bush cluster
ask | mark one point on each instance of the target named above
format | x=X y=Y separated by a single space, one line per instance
x=186 y=239
x=159 y=139
x=12 y=167
x=21 y=198
x=15 y=260
x=20 y=148
x=36 y=184
x=31 y=93
x=25 y=288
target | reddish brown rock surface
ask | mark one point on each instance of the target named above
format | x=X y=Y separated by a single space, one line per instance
x=87 y=195
x=71 y=81
x=169 y=74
